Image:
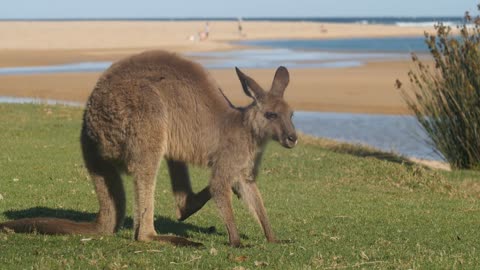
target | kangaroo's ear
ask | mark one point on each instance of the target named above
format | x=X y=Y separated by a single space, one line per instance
x=250 y=86
x=280 y=82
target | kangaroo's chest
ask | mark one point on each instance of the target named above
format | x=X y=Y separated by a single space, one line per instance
x=247 y=168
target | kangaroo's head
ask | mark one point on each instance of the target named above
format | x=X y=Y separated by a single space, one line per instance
x=270 y=115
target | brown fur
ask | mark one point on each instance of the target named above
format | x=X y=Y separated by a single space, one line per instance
x=158 y=105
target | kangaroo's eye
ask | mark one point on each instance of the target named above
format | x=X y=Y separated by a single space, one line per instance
x=271 y=115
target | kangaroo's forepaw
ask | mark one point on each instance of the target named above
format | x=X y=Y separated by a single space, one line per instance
x=189 y=208
x=192 y=203
x=184 y=213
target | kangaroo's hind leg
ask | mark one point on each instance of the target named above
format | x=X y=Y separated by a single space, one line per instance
x=144 y=168
x=108 y=186
x=187 y=202
x=111 y=198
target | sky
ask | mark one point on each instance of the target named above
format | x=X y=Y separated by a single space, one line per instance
x=50 y=9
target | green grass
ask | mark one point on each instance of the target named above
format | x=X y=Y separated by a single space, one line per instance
x=342 y=207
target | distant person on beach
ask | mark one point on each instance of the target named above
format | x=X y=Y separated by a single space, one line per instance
x=206 y=31
x=240 y=29
x=323 y=29
x=203 y=35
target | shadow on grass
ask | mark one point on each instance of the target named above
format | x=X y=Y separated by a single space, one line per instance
x=356 y=150
x=362 y=151
x=163 y=225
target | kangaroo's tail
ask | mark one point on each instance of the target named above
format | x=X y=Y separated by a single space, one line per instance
x=56 y=226
x=49 y=226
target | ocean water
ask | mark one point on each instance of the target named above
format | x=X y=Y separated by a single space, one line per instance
x=399 y=21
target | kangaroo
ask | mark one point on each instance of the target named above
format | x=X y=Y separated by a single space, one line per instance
x=158 y=105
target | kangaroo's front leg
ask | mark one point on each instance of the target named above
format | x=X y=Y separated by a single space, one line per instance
x=248 y=191
x=221 y=190
x=187 y=202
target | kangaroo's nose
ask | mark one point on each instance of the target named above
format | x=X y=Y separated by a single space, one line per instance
x=292 y=138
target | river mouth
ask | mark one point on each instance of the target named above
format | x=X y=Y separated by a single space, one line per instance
x=261 y=58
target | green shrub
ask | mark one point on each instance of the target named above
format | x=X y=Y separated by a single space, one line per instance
x=446 y=98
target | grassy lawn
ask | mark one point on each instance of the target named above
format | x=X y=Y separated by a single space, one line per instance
x=342 y=207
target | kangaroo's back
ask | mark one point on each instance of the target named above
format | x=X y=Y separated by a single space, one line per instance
x=155 y=96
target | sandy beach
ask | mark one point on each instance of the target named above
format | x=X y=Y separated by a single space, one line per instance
x=369 y=89
x=366 y=89
x=95 y=36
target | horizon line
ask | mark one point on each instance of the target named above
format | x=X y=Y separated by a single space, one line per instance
x=227 y=18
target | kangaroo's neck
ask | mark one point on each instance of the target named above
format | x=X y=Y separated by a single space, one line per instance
x=239 y=126
x=255 y=132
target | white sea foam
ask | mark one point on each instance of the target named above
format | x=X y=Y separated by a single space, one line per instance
x=425 y=24
x=363 y=22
